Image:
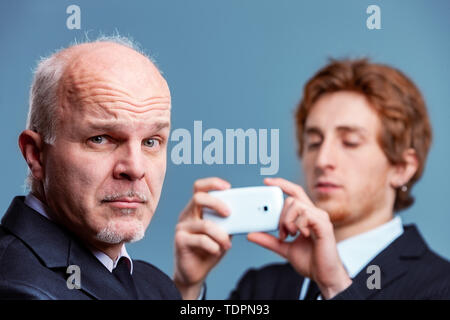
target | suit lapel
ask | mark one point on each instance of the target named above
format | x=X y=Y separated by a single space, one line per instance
x=49 y=242
x=392 y=261
x=96 y=280
x=57 y=248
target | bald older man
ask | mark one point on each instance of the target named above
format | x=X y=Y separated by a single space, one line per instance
x=95 y=144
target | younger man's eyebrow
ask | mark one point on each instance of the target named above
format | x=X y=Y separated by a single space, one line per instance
x=353 y=129
x=312 y=131
x=315 y=131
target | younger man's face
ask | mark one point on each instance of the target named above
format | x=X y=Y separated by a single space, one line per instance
x=347 y=173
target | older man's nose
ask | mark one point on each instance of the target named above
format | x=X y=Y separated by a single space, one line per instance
x=130 y=164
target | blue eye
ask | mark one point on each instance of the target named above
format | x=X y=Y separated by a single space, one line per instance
x=151 y=142
x=97 y=139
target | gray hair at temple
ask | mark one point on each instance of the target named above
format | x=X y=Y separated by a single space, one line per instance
x=44 y=100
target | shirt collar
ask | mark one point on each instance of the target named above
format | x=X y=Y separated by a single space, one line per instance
x=34 y=203
x=356 y=252
x=37 y=205
x=109 y=263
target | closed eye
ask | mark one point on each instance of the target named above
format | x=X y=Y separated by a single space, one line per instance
x=313 y=145
x=351 y=144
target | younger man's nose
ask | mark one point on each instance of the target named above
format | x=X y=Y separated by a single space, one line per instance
x=326 y=156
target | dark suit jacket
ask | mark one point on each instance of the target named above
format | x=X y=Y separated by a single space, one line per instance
x=409 y=270
x=35 y=254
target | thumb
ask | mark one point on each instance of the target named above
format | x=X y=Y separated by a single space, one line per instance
x=270 y=242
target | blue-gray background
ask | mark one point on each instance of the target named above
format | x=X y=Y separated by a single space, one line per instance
x=238 y=64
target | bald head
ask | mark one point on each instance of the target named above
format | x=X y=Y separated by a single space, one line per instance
x=111 y=64
x=101 y=72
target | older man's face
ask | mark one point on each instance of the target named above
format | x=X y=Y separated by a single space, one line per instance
x=104 y=173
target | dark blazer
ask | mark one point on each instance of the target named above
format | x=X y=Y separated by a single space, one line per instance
x=35 y=253
x=409 y=270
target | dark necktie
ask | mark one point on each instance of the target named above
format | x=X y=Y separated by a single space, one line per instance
x=122 y=273
x=313 y=291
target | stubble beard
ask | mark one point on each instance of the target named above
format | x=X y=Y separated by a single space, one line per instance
x=112 y=233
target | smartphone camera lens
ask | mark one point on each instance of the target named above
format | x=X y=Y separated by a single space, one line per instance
x=266 y=208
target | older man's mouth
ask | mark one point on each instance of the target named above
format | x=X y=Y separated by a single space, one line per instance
x=125 y=202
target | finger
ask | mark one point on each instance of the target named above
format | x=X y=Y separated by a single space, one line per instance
x=202 y=242
x=296 y=210
x=313 y=223
x=289 y=188
x=212 y=183
x=282 y=230
x=208 y=228
x=269 y=242
x=203 y=199
x=302 y=224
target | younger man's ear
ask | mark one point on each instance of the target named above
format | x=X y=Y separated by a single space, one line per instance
x=31 y=145
x=405 y=171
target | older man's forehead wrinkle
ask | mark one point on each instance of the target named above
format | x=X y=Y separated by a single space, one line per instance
x=110 y=95
x=109 y=105
x=87 y=82
x=125 y=112
x=141 y=110
x=113 y=95
x=82 y=85
x=126 y=84
x=117 y=79
x=111 y=101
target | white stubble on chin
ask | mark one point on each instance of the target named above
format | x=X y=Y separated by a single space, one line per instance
x=113 y=232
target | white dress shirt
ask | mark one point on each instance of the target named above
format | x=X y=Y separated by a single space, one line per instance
x=37 y=205
x=357 y=251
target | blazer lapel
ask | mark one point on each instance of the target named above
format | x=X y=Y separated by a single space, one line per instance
x=410 y=245
x=58 y=248
x=48 y=241
x=96 y=280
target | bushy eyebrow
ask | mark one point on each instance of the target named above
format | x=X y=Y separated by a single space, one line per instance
x=117 y=127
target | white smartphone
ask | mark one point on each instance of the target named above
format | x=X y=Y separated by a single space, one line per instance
x=252 y=209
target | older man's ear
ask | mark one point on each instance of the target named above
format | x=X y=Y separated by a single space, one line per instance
x=31 y=144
